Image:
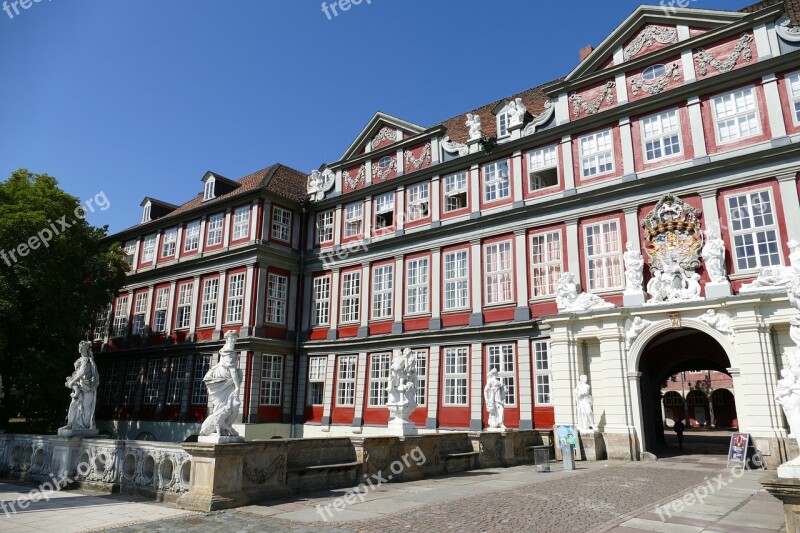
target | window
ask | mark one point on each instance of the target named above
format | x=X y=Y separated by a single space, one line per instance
x=417 y=286
x=235 y=298
x=754 y=230
x=496 y=184
x=170 y=240
x=793 y=86
x=183 y=320
x=603 y=255
x=455 y=192
x=271 y=379
x=378 y=378
x=322 y=300
x=422 y=375
x=139 y=310
x=149 y=248
x=654 y=72
x=498 y=272
x=324 y=227
x=501 y=357
x=208 y=313
x=456 y=375
x=346 y=381
x=418 y=201
x=385 y=162
x=111 y=388
x=353 y=220
x=177 y=375
x=351 y=297
x=241 y=222
x=502 y=124
x=384 y=211
x=214 y=229
x=281 y=224
x=597 y=154
x=382 y=291
x=131 y=381
x=192 y=240
x=541 y=354
x=456 y=280
x=121 y=316
x=101 y=323
x=199 y=391
x=735 y=115
x=208 y=190
x=146 y=213
x=277 y=295
x=546 y=263
x=542 y=168
x=130 y=252
x=316 y=380
x=152 y=387
x=661 y=135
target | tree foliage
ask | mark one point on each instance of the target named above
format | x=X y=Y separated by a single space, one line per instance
x=49 y=297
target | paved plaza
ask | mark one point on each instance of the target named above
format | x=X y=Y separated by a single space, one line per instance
x=604 y=496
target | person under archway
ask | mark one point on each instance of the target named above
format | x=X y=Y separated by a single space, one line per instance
x=679 y=427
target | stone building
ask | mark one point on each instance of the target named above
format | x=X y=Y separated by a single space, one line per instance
x=672 y=140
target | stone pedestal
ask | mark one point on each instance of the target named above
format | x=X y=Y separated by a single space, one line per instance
x=634 y=299
x=62 y=463
x=592 y=446
x=402 y=428
x=217 y=439
x=497 y=430
x=716 y=290
x=216 y=479
x=788 y=492
x=88 y=433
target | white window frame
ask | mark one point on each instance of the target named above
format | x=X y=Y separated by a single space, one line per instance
x=384 y=204
x=738 y=117
x=503 y=358
x=417 y=290
x=760 y=235
x=176 y=378
x=793 y=92
x=271 y=386
x=322 y=301
x=542 y=159
x=378 y=379
x=121 y=312
x=161 y=306
x=323 y=233
x=495 y=186
x=421 y=356
x=455 y=265
x=183 y=315
x=215 y=225
x=202 y=364
x=419 y=201
x=383 y=292
x=351 y=297
x=543 y=373
x=346 y=369
x=153 y=379
x=456 y=185
x=596 y=154
x=169 y=246
x=354 y=220
x=146 y=213
x=132 y=373
x=241 y=222
x=317 y=367
x=130 y=252
x=605 y=261
x=208 y=190
x=208 y=314
x=456 y=376
x=234 y=309
x=277 y=298
x=281 y=224
x=139 y=313
x=503 y=120
x=192 y=238
x=149 y=248
x=547 y=266
x=498 y=272
x=663 y=127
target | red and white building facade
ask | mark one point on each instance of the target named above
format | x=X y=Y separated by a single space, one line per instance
x=451 y=243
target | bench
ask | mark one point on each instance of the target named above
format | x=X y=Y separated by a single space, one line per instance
x=468 y=457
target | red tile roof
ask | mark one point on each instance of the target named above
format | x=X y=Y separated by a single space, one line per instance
x=792 y=8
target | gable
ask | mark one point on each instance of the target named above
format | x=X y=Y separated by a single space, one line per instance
x=381 y=131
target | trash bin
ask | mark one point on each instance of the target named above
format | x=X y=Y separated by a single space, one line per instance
x=541 y=458
x=568 y=452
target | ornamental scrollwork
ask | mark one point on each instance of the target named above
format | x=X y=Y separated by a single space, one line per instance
x=606 y=94
x=383 y=173
x=451 y=146
x=418 y=163
x=386 y=134
x=541 y=119
x=786 y=31
x=703 y=58
x=649 y=35
x=657 y=85
x=351 y=182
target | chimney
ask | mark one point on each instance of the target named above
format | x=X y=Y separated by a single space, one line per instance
x=585 y=51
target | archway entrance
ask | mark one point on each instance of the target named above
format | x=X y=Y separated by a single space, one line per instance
x=685 y=376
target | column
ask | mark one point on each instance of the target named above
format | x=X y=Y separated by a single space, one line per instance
x=573 y=250
x=220 y=307
x=568 y=171
x=525 y=390
x=291 y=305
x=476 y=283
x=228 y=229
x=364 y=304
x=436 y=201
x=777 y=125
x=260 y=301
x=435 y=289
x=255 y=388
x=162 y=387
x=201 y=238
x=400 y=211
x=196 y=288
x=475 y=191
x=136 y=252
x=635 y=399
x=710 y=210
x=517 y=175
x=791 y=205
x=399 y=277
x=761 y=36
x=188 y=382
x=171 y=300
x=522 y=312
x=157 y=251
x=696 y=125
x=632 y=229
x=434 y=365
x=247 y=305
x=626 y=138
x=476 y=387
x=307 y=306
x=178 y=243
x=337 y=225
x=254 y=220
x=361 y=373
x=302 y=379
x=330 y=372
x=147 y=314
x=288 y=384
x=334 y=303
x=264 y=223
x=367 y=218
x=622 y=88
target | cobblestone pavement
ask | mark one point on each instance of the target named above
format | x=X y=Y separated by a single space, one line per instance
x=608 y=496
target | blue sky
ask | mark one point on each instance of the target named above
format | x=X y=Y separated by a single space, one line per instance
x=141 y=98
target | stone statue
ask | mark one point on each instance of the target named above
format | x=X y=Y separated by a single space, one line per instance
x=224 y=381
x=402 y=389
x=787 y=393
x=516 y=111
x=319 y=183
x=775 y=278
x=495 y=395
x=634 y=269
x=673 y=283
x=83 y=383
x=585 y=403
x=719 y=321
x=568 y=299
x=474 y=125
x=714 y=257
x=637 y=326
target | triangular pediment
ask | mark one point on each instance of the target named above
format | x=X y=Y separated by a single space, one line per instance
x=382 y=130
x=649 y=26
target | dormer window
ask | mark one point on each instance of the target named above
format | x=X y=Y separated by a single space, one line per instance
x=208 y=191
x=503 y=120
x=146 y=213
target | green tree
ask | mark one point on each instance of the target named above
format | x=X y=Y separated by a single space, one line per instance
x=49 y=295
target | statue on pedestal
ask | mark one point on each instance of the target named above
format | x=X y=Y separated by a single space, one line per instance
x=788 y=391
x=714 y=257
x=224 y=381
x=474 y=125
x=402 y=389
x=83 y=383
x=495 y=395
x=516 y=112
x=634 y=269
x=568 y=299
x=775 y=278
x=585 y=403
